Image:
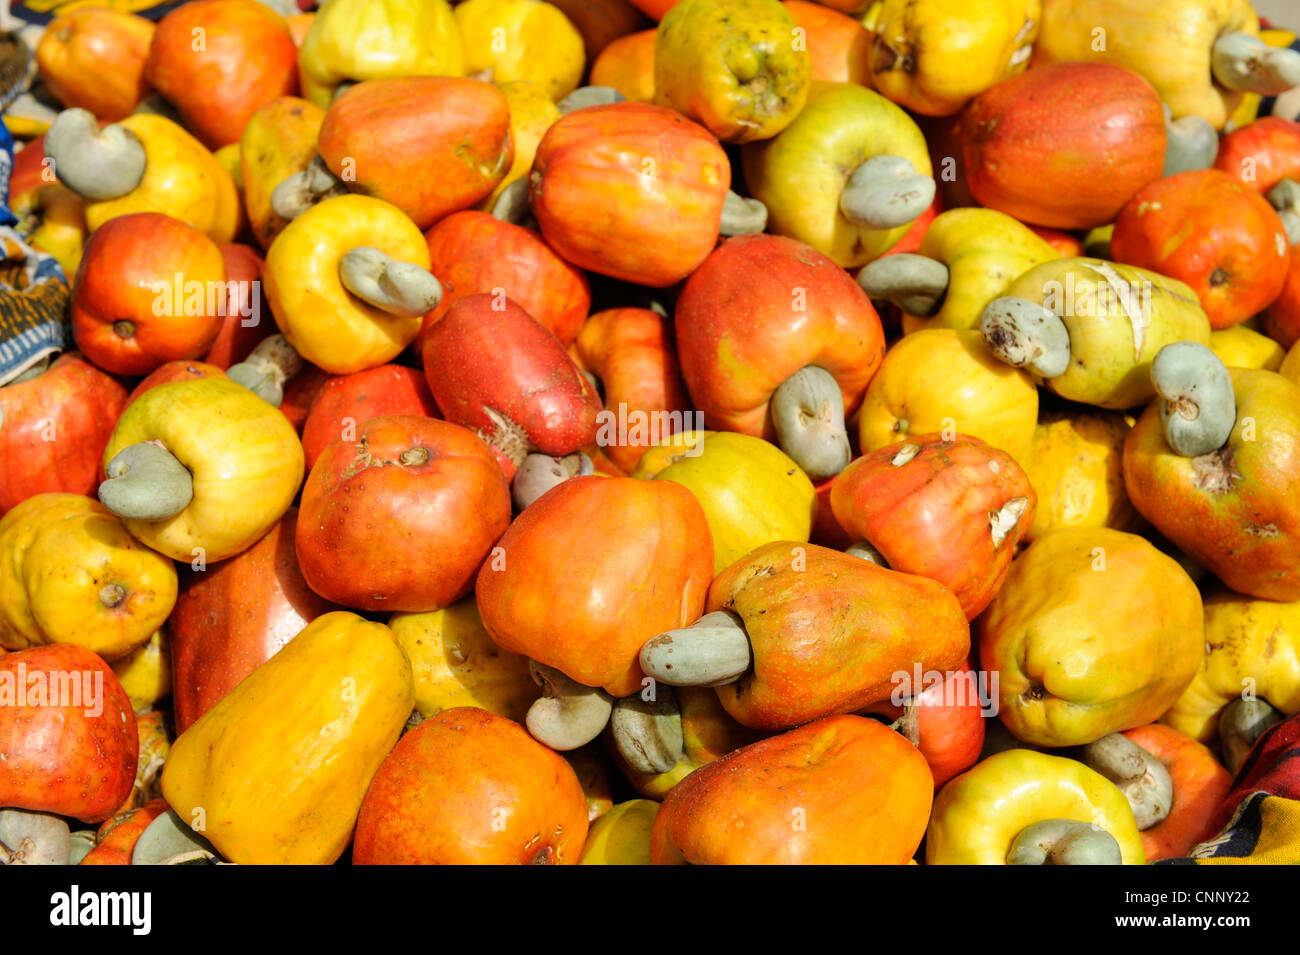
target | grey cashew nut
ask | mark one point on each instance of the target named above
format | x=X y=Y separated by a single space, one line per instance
x=1140 y=776
x=569 y=714
x=268 y=368
x=33 y=838
x=1241 y=723
x=514 y=205
x=96 y=163
x=585 y=96
x=1197 y=404
x=541 y=472
x=1064 y=842
x=886 y=192
x=741 y=216
x=1285 y=198
x=1190 y=143
x=1027 y=335
x=808 y=414
x=1246 y=64
x=399 y=288
x=648 y=733
x=915 y=283
x=146 y=483
x=297 y=193
x=866 y=551
x=713 y=651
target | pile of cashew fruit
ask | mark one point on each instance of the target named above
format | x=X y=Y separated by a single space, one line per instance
x=606 y=432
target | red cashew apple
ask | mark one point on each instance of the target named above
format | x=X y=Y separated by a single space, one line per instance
x=829 y=632
x=219 y=61
x=68 y=741
x=473 y=252
x=54 y=428
x=401 y=518
x=430 y=145
x=630 y=190
x=952 y=511
x=592 y=570
x=234 y=615
x=150 y=289
x=1063 y=145
x=348 y=401
x=761 y=308
x=494 y=369
x=248 y=317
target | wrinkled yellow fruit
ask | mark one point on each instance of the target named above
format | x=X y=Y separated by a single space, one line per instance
x=1064 y=678
x=1077 y=470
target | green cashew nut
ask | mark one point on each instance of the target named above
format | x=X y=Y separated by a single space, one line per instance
x=713 y=651
x=1141 y=777
x=1241 y=723
x=585 y=96
x=808 y=413
x=648 y=733
x=1190 y=143
x=1246 y=64
x=741 y=216
x=1197 y=405
x=1064 y=842
x=915 y=283
x=268 y=368
x=96 y=163
x=146 y=483
x=1027 y=335
x=569 y=714
x=399 y=288
x=886 y=192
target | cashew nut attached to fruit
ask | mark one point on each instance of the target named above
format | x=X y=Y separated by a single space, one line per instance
x=146 y=483
x=1197 y=404
x=1141 y=777
x=33 y=838
x=741 y=216
x=585 y=96
x=1027 y=335
x=1190 y=143
x=915 y=283
x=514 y=205
x=1246 y=64
x=808 y=414
x=865 y=551
x=95 y=163
x=267 y=368
x=299 y=192
x=712 y=651
x=1285 y=198
x=648 y=733
x=399 y=288
x=1064 y=842
x=886 y=192
x=540 y=472
x=569 y=714
x=1241 y=723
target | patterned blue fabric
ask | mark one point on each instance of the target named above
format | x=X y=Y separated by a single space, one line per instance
x=33 y=289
